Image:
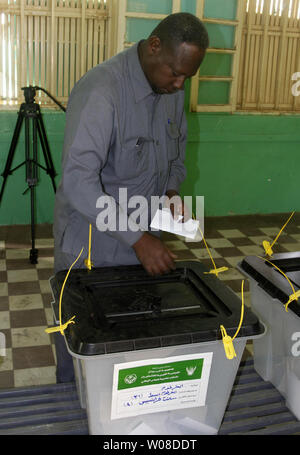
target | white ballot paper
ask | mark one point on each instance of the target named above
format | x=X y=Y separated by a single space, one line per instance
x=164 y=221
x=157 y=385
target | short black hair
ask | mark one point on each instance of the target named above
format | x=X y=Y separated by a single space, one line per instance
x=180 y=28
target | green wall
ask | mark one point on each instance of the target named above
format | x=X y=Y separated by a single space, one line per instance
x=15 y=207
x=241 y=164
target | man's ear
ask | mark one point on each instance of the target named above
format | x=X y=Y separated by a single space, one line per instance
x=154 y=45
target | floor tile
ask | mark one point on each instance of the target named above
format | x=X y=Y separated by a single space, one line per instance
x=19 y=264
x=185 y=255
x=19 y=276
x=47 y=299
x=26 y=287
x=32 y=357
x=49 y=316
x=251 y=231
x=202 y=253
x=6 y=362
x=34 y=376
x=292 y=246
x=271 y=231
x=45 y=287
x=28 y=318
x=259 y=239
x=29 y=337
x=219 y=243
x=3 y=289
x=231 y=233
x=17 y=254
x=44 y=243
x=7 y=336
x=280 y=247
x=4 y=305
x=251 y=250
x=4 y=320
x=241 y=241
x=45 y=252
x=25 y=302
x=3 y=276
x=45 y=273
x=296 y=237
x=45 y=262
x=228 y=252
x=7 y=379
x=176 y=245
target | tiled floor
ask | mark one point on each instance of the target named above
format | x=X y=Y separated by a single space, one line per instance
x=25 y=294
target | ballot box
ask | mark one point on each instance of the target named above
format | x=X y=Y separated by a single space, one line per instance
x=277 y=355
x=148 y=351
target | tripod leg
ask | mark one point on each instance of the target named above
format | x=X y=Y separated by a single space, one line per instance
x=11 y=152
x=33 y=252
x=28 y=164
x=46 y=149
x=32 y=181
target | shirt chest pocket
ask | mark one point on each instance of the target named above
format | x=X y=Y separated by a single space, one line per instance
x=133 y=159
x=173 y=135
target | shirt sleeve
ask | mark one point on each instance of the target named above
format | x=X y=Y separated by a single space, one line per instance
x=178 y=171
x=88 y=135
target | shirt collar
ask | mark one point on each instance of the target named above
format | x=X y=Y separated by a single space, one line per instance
x=140 y=84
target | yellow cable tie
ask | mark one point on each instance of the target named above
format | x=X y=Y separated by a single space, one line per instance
x=267 y=246
x=217 y=271
x=206 y=247
x=227 y=340
x=87 y=262
x=242 y=311
x=294 y=296
x=61 y=328
x=228 y=344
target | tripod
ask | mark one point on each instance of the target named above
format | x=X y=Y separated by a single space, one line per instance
x=30 y=111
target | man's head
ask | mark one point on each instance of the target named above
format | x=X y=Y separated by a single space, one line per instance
x=173 y=52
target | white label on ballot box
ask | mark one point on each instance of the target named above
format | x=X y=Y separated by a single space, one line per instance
x=158 y=385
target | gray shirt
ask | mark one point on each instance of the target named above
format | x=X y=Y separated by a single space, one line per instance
x=119 y=134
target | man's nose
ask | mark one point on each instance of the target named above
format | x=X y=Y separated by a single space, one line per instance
x=179 y=83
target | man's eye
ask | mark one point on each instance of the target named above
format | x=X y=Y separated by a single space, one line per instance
x=175 y=74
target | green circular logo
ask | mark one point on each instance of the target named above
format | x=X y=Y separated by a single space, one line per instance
x=130 y=378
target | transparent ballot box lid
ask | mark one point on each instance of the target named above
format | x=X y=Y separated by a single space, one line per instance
x=269 y=274
x=123 y=308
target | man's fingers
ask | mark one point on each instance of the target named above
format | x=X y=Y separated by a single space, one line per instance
x=155 y=257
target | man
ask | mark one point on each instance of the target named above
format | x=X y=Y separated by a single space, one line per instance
x=126 y=128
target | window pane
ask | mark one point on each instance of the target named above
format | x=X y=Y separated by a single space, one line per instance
x=154 y=6
x=137 y=29
x=213 y=92
x=188 y=6
x=221 y=36
x=220 y=10
x=216 y=65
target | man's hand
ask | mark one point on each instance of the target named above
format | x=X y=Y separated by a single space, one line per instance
x=154 y=256
x=177 y=207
